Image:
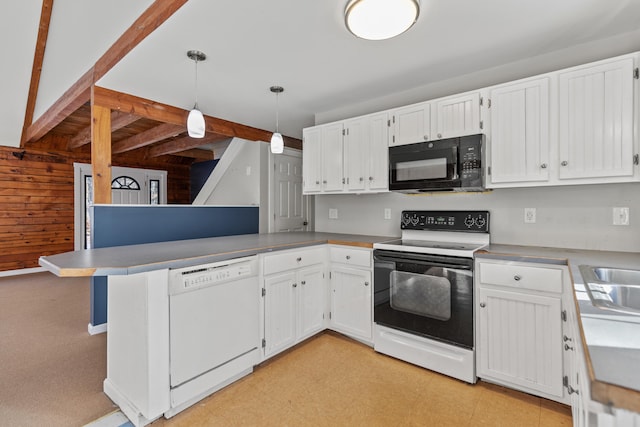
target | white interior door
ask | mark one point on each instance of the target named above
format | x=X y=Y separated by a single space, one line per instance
x=290 y=209
x=129 y=186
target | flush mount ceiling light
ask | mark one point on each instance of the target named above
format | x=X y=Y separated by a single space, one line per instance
x=380 y=19
x=195 y=121
x=277 y=144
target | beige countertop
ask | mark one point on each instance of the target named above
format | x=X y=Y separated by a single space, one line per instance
x=611 y=340
x=131 y=259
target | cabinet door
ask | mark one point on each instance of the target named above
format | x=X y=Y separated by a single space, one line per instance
x=332 y=177
x=311 y=301
x=351 y=302
x=411 y=124
x=458 y=116
x=520 y=339
x=520 y=132
x=279 y=312
x=378 y=153
x=596 y=120
x=355 y=153
x=312 y=160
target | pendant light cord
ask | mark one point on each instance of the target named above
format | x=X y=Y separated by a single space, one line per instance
x=196 y=86
x=277 y=111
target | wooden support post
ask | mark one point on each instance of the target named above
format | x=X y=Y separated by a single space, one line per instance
x=101 y=153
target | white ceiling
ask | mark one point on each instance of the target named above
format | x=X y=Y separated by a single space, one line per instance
x=304 y=47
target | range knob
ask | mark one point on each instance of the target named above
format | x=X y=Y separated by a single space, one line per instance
x=405 y=219
x=415 y=220
x=469 y=221
x=480 y=221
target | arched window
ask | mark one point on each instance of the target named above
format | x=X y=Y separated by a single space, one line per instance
x=125 y=183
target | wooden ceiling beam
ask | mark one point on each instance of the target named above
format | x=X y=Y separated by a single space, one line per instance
x=146 y=108
x=118 y=121
x=80 y=92
x=36 y=69
x=148 y=137
x=181 y=144
x=196 y=153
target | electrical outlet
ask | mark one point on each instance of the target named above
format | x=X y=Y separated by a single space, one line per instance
x=530 y=215
x=387 y=213
x=620 y=216
x=333 y=213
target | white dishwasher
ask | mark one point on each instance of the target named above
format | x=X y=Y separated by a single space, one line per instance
x=214 y=327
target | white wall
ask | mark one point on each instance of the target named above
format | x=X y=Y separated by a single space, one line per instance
x=567 y=217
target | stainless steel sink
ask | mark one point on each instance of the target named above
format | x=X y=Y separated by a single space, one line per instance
x=613 y=288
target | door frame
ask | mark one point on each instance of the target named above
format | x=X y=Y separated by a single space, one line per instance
x=80 y=170
x=308 y=201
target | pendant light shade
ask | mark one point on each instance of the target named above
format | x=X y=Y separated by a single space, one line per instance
x=195 y=120
x=195 y=123
x=380 y=19
x=277 y=143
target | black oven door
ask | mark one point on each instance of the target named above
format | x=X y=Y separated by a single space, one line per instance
x=425 y=165
x=428 y=295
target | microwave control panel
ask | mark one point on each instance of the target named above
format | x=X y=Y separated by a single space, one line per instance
x=476 y=221
x=470 y=162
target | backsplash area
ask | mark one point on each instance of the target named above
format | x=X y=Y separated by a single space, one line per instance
x=579 y=217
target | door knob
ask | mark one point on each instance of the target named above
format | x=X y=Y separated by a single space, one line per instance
x=564 y=163
x=299 y=259
x=366 y=283
x=543 y=166
x=483 y=305
x=295 y=285
x=348 y=257
x=517 y=278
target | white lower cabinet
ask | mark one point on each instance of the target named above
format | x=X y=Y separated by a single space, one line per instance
x=351 y=290
x=294 y=299
x=519 y=326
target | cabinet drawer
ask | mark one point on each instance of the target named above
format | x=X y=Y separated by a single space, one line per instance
x=521 y=277
x=288 y=260
x=349 y=256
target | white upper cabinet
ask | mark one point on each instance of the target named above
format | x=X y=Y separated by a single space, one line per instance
x=312 y=160
x=596 y=120
x=457 y=115
x=332 y=166
x=519 y=139
x=410 y=124
x=347 y=157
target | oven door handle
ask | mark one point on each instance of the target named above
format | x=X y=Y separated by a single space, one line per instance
x=417 y=259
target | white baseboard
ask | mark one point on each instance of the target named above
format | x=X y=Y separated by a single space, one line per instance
x=99 y=329
x=21 y=271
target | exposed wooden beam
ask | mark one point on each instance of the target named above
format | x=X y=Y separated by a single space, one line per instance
x=36 y=69
x=148 y=137
x=146 y=108
x=76 y=96
x=80 y=92
x=196 y=153
x=101 y=153
x=118 y=121
x=182 y=144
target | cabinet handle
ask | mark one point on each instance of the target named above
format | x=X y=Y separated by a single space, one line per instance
x=426 y=137
x=543 y=166
x=317 y=182
x=343 y=180
x=361 y=179
x=324 y=181
x=566 y=338
x=568 y=348
x=564 y=163
x=366 y=283
x=299 y=259
x=348 y=257
x=517 y=278
x=370 y=178
x=295 y=285
x=439 y=135
x=303 y=282
x=483 y=305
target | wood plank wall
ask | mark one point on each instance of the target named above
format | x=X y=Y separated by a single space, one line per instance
x=36 y=200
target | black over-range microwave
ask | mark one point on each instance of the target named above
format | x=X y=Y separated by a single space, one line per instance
x=453 y=164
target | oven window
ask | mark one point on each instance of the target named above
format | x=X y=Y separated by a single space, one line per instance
x=421 y=169
x=421 y=294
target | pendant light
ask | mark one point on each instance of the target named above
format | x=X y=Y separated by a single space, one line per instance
x=277 y=144
x=380 y=19
x=195 y=121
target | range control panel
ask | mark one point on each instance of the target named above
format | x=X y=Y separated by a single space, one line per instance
x=473 y=221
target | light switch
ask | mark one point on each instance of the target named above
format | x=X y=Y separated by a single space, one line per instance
x=387 y=213
x=530 y=215
x=620 y=216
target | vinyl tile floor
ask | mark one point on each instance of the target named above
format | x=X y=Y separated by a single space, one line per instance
x=331 y=380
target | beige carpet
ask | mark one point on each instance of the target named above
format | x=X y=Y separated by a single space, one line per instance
x=51 y=369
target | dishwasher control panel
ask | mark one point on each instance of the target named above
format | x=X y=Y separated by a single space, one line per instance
x=186 y=279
